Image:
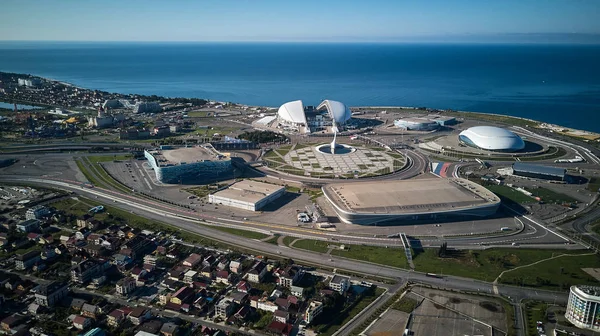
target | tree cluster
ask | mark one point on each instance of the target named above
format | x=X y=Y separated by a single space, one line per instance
x=263 y=136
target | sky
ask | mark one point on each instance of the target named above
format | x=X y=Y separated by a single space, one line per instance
x=302 y=20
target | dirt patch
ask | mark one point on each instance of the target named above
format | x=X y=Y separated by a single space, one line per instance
x=438 y=306
x=490 y=306
x=454 y=300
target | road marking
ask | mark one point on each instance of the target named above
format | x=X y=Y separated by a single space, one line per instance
x=147 y=183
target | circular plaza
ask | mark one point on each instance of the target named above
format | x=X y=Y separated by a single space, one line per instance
x=348 y=161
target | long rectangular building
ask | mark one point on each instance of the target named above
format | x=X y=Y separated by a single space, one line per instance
x=538 y=171
x=402 y=201
x=247 y=195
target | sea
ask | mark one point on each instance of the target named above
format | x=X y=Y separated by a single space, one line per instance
x=558 y=84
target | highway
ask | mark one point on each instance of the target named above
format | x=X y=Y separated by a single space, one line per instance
x=191 y=225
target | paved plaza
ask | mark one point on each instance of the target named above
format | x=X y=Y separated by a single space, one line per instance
x=361 y=162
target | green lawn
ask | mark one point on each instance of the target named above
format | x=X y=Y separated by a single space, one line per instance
x=199 y=114
x=88 y=175
x=550 y=196
x=239 y=232
x=405 y=304
x=488 y=264
x=556 y=274
x=376 y=254
x=534 y=311
x=287 y=240
x=510 y=193
x=594 y=184
x=311 y=245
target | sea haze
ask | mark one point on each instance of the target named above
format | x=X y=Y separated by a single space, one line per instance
x=553 y=83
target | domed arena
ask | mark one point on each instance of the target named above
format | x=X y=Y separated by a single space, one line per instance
x=492 y=139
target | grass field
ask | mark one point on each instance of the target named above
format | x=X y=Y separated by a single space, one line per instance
x=287 y=240
x=510 y=193
x=488 y=264
x=594 y=184
x=380 y=255
x=311 y=245
x=550 y=196
x=199 y=114
x=239 y=232
x=556 y=274
x=405 y=304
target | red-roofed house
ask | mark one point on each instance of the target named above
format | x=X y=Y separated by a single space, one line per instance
x=279 y=328
x=82 y=322
x=223 y=277
x=193 y=260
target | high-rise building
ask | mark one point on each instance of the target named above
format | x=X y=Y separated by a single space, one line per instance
x=583 y=308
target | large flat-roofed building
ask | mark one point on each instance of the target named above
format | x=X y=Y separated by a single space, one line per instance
x=583 y=307
x=417 y=124
x=247 y=195
x=538 y=171
x=399 y=202
x=189 y=164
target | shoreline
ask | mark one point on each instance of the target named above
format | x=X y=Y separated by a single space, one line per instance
x=539 y=122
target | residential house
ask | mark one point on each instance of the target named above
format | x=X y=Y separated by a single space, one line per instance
x=77 y=304
x=235 y=266
x=223 y=277
x=239 y=297
x=193 y=260
x=281 y=316
x=289 y=276
x=125 y=286
x=243 y=286
x=225 y=308
x=206 y=272
x=297 y=291
x=85 y=270
x=8 y=324
x=183 y=295
x=139 y=246
x=111 y=243
x=115 y=318
x=27 y=260
x=314 y=309
x=257 y=272
x=339 y=283
x=82 y=322
x=150 y=260
x=169 y=329
x=89 y=310
x=152 y=327
x=190 y=276
x=29 y=225
x=139 y=315
x=266 y=306
x=279 y=328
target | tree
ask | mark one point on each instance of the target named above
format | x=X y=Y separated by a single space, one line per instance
x=442 y=252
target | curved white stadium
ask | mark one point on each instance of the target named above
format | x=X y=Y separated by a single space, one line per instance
x=337 y=110
x=491 y=138
x=292 y=112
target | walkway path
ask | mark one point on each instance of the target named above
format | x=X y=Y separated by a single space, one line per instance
x=266 y=239
x=495 y=283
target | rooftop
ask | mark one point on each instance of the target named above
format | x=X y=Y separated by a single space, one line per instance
x=184 y=155
x=531 y=168
x=249 y=191
x=408 y=196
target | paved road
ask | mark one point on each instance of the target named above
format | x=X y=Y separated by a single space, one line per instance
x=190 y=225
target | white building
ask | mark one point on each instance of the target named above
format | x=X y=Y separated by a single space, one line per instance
x=339 y=283
x=294 y=116
x=491 y=138
x=37 y=212
x=583 y=307
x=314 y=309
x=247 y=195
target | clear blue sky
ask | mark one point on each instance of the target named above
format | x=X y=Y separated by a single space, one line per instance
x=300 y=20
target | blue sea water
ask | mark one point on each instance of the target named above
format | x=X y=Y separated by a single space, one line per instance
x=553 y=83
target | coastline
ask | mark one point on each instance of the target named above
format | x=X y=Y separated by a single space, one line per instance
x=540 y=123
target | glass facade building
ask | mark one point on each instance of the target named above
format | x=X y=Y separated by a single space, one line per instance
x=583 y=308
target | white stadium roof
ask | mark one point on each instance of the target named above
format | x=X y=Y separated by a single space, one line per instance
x=292 y=112
x=337 y=110
x=492 y=138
